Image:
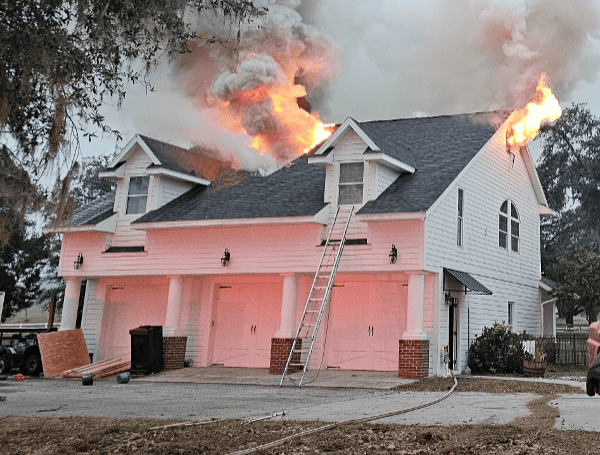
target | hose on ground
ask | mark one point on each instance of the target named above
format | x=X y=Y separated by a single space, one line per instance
x=272 y=444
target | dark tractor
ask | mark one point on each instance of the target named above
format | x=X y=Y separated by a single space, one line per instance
x=24 y=355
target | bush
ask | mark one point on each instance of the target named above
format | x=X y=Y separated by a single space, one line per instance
x=496 y=350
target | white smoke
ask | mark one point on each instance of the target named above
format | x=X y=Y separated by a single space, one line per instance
x=396 y=59
x=445 y=57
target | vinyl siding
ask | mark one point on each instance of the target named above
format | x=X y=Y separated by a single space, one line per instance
x=488 y=181
x=169 y=189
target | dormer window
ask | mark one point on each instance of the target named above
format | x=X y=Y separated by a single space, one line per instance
x=351 y=183
x=137 y=195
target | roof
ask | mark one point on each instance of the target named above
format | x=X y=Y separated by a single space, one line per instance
x=442 y=147
x=439 y=148
x=95 y=212
x=469 y=282
x=292 y=191
x=187 y=161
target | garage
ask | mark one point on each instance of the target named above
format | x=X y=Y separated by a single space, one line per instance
x=247 y=317
x=365 y=323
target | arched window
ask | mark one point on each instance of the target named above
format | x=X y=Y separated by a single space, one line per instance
x=508 y=226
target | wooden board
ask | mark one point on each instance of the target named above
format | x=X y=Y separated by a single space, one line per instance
x=63 y=350
x=100 y=369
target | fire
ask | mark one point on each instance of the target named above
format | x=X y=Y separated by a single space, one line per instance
x=272 y=118
x=526 y=124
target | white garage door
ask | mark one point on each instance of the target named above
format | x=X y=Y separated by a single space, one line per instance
x=247 y=318
x=365 y=326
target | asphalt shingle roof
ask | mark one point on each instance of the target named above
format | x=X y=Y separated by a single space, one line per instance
x=294 y=190
x=94 y=212
x=438 y=147
x=183 y=160
x=442 y=147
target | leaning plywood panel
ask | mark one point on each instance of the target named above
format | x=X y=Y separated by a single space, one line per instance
x=62 y=351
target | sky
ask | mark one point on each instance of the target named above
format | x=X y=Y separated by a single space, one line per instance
x=370 y=60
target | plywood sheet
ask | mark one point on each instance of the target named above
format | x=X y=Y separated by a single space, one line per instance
x=63 y=350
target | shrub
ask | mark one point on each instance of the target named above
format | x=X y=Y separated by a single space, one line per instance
x=496 y=350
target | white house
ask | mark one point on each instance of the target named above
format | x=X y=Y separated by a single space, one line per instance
x=461 y=210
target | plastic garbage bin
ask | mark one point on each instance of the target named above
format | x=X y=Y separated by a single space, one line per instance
x=146 y=349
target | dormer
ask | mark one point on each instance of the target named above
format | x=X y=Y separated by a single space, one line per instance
x=361 y=162
x=150 y=173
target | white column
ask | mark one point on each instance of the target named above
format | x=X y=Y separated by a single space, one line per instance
x=414 y=307
x=174 y=304
x=69 y=312
x=287 y=327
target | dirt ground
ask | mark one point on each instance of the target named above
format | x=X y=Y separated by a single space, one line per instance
x=533 y=434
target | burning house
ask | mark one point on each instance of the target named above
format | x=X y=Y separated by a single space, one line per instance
x=439 y=234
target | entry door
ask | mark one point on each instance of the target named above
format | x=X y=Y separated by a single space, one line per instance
x=247 y=318
x=364 y=327
x=452 y=334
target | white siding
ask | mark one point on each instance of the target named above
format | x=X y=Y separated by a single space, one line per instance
x=125 y=236
x=385 y=177
x=169 y=189
x=488 y=181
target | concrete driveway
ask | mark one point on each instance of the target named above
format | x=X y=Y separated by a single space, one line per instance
x=217 y=393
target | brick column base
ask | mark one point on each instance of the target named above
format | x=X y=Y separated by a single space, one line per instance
x=173 y=352
x=413 y=359
x=280 y=350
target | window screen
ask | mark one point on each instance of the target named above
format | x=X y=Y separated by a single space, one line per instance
x=351 y=183
x=137 y=195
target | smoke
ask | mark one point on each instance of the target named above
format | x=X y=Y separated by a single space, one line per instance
x=389 y=60
x=441 y=57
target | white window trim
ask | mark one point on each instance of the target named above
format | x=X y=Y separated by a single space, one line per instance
x=508 y=232
x=511 y=313
x=460 y=218
x=129 y=177
x=351 y=183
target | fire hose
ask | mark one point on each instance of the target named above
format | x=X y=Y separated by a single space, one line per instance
x=270 y=445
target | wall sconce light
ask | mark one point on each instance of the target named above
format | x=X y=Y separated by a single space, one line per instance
x=225 y=258
x=449 y=300
x=78 y=262
x=393 y=254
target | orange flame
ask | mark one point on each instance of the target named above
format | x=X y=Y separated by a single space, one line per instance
x=287 y=129
x=527 y=121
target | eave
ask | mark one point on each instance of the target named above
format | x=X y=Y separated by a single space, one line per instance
x=382 y=217
x=388 y=161
x=160 y=225
x=349 y=123
x=177 y=175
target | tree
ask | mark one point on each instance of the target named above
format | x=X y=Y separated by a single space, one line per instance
x=579 y=288
x=569 y=171
x=23 y=261
x=60 y=60
x=87 y=186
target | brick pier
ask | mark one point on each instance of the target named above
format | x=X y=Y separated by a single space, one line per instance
x=413 y=359
x=280 y=349
x=173 y=352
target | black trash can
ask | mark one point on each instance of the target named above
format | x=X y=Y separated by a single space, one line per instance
x=146 y=349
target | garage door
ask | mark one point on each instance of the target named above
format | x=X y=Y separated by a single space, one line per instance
x=365 y=326
x=247 y=318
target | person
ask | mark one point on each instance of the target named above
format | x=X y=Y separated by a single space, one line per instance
x=447 y=373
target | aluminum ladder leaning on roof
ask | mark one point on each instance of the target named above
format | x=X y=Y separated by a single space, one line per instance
x=316 y=303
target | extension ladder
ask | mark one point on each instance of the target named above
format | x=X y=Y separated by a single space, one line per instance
x=316 y=303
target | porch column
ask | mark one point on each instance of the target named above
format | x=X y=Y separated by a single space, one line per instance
x=174 y=304
x=69 y=312
x=414 y=307
x=287 y=326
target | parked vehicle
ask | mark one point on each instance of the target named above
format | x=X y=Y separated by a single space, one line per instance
x=24 y=355
x=593 y=377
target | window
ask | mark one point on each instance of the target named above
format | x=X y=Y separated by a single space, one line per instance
x=511 y=316
x=351 y=183
x=508 y=213
x=137 y=195
x=459 y=223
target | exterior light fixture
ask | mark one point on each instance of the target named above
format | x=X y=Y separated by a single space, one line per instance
x=393 y=254
x=78 y=262
x=225 y=258
x=449 y=300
